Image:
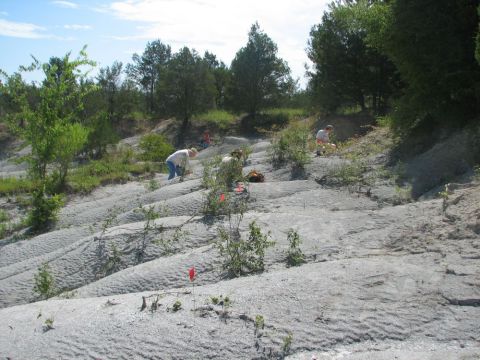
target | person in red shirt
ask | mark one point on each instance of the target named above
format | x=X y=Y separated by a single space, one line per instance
x=207 y=140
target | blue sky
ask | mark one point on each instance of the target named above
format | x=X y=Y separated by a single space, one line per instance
x=114 y=30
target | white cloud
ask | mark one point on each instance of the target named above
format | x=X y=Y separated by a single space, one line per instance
x=222 y=26
x=21 y=30
x=77 y=27
x=65 y=4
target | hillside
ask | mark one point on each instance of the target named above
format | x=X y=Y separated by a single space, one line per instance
x=385 y=276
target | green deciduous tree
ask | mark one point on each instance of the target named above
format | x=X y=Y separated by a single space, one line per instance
x=259 y=78
x=51 y=125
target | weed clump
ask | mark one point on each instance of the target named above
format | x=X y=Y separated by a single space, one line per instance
x=295 y=255
x=44 y=282
x=218 y=179
x=290 y=146
x=241 y=256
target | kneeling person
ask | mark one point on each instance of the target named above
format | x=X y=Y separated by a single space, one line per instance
x=323 y=139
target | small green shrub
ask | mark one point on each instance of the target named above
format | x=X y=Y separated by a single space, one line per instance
x=210 y=171
x=150 y=215
x=114 y=260
x=48 y=324
x=155 y=148
x=101 y=135
x=230 y=172
x=403 y=194
x=242 y=256
x=349 y=173
x=44 y=210
x=445 y=195
x=287 y=343
x=44 y=282
x=153 y=185
x=177 y=305
x=295 y=255
x=218 y=179
x=214 y=300
x=259 y=322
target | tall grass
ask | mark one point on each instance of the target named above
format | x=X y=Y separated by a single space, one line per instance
x=216 y=118
x=12 y=185
x=106 y=171
x=290 y=113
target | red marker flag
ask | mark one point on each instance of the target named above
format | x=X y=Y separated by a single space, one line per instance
x=192 y=273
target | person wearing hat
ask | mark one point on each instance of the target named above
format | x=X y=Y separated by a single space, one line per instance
x=323 y=139
x=235 y=155
x=177 y=163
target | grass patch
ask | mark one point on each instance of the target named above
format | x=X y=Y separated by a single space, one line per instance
x=290 y=113
x=291 y=146
x=350 y=173
x=216 y=118
x=3 y=216
x=106 y=171
x=114 y=168
x=12 y=185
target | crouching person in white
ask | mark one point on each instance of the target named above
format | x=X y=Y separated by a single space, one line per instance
x=323 y=140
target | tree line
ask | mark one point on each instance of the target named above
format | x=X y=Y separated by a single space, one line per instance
x=416 y=60
x=160 y=83
x=69 y=112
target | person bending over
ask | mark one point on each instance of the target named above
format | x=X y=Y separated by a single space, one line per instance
x=178 y=162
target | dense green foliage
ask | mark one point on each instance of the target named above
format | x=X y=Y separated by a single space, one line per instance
x=148 y=71
x=346 y=70
x=155 y=147
x=432 y=45
x=416 y=59
x=260 y=78
x=189 y=85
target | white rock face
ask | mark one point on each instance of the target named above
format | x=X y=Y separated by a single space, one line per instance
x=379 y=282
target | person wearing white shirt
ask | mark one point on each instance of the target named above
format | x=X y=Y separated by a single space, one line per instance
x=323 y=139
x=177 y=162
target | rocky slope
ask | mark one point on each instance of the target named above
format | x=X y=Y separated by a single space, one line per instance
x=383 y=278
